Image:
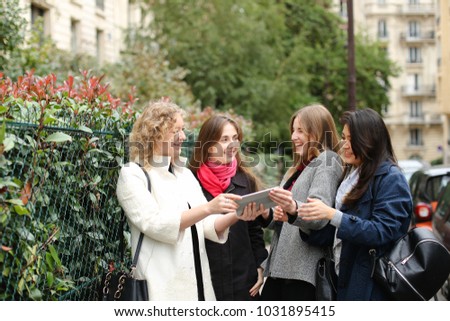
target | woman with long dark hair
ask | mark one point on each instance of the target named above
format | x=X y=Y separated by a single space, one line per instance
x=373 y=205
x=217 y=164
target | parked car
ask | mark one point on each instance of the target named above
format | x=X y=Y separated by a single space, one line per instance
x=426 y=186
x=441 y=229
x=410 y=166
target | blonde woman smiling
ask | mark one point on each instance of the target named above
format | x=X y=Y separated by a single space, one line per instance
x=174 y=217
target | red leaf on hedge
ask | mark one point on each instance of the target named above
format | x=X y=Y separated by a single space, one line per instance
x=6 y=248
x=25 y=193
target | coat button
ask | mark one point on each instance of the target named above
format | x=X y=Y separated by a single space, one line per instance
x=353 y=218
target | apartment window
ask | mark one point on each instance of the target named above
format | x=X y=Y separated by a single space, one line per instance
x=414 y=1
x=416 y=81
x=413 y=82
x=343 y=8
x=415 y=137
x=100 y=4
x=38 y=18
x=100 y=45
x=414 y=55
x=381 y=1
x=74 y=35
x=382 y=29
x=414 y=29
x=415 y=109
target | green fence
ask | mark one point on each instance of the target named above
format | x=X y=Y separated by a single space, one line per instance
x=58 y=247
x=73 y=196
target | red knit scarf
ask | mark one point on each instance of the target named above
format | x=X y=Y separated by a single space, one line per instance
x=216 y=178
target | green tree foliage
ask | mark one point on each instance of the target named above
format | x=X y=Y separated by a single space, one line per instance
x=11 y=33
x=145 y=68
x=266 y=59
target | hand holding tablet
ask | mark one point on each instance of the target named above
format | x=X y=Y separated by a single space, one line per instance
x=261 y=197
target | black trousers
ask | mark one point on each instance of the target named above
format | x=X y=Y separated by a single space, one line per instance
x=276 y=289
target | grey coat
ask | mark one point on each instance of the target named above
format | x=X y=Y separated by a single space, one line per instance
x=289 y=256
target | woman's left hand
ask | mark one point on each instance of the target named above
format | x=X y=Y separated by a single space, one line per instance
x=255 y=289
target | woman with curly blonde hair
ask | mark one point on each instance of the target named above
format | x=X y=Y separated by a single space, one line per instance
x=172 y=259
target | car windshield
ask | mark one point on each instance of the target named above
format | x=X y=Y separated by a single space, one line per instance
x=444 y=202
x=433 y=187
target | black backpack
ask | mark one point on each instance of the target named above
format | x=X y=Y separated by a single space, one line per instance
x=415 y=268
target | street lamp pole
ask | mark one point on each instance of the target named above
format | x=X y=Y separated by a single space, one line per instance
x=351 y=58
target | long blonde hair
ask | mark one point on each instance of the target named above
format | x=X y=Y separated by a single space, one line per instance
x=317 y=122
x=156 y=120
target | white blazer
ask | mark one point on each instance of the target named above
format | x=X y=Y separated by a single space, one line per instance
x=166 y=259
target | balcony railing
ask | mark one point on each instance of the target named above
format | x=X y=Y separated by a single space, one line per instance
x=383 y=36
x=415 y=145
x=418 y=9
x=414 y=119
x=405 y=9
x=419 y=37
x=415 y=91
x=380 y=8
x=415 y=62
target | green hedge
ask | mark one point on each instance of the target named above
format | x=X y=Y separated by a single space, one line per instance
x=60 y=149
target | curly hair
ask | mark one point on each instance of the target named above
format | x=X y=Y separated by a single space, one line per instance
x=156 y=120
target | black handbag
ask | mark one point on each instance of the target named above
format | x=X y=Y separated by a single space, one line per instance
x=415 y=267
x=326 y=280
x=121 y=285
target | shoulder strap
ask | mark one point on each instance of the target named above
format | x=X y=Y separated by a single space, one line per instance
x=141 y=236
x=197 y=262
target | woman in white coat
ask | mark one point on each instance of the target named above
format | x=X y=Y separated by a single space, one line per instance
x=174 y=208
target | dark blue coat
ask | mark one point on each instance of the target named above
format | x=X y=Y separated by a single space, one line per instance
x=378 y=219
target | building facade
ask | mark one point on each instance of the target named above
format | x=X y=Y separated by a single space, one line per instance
x=443 y=79
x=83 y=26
x=410 y=34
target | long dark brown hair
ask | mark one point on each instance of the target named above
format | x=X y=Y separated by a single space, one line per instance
x=210 y=133
x=371 y=143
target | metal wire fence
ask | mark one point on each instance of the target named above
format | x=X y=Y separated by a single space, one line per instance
x=73 y=195
x=72 y=207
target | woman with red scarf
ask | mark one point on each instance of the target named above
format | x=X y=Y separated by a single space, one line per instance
x=217 y=165
x=291 y=266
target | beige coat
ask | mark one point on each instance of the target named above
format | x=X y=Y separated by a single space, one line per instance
x=166 y=260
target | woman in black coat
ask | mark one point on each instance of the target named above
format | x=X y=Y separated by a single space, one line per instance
x=216 y=163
